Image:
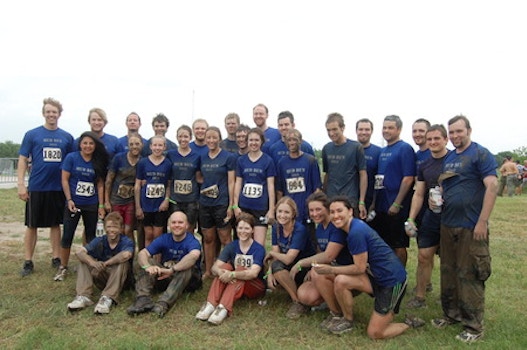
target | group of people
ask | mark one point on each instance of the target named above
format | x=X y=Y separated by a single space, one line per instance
x=332 y=236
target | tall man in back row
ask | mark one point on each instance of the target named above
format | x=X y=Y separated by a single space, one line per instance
x=344 y=166
x=46 y=146
x=470 y=187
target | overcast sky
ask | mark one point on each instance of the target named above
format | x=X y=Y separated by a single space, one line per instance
x=204 y=59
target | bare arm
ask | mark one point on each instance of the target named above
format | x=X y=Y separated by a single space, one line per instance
x=21 y=178
x=406 y=185
x=360 y=263
x=110 y=177
x=491 y=191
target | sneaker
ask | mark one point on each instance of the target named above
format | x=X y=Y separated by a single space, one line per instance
x=27 y=268
x=340 y=325
x=429 y=288
x=79 y=303
x=206 y=310
x=160 y=309
x=142 y=304
x=328 y=320
x=55 y=263
x=413 y=321
x=61 y=274
x=296 y=310
x=416 y=303
x=443 y=322
x=103 y=306
x=218 y=315
x=467 y=337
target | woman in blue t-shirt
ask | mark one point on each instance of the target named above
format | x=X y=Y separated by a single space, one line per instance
x=237 y=271
x=83 y=174
x=290 y=243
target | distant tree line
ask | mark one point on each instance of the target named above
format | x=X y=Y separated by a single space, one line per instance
x=9 y=149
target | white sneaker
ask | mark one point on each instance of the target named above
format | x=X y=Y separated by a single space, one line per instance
x=79 y=303
x=206 y=310
x=219 y=315
x=61 y=274
x=104 y=305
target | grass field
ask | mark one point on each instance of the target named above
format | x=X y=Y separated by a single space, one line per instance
x=33 y=310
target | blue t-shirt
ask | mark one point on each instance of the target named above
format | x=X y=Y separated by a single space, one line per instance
x=47 y=149
x=342 y=163
x=298 y=178
x=464 y=191
x=395 y=162
x=201 y=150
x=233 y=255
x=420 y=157
x=371 y=153
x=215 y=187
x=157 y=177
x=100 y=250
x=299 y=240
x=254 y=192
x=272 y=135
x=333 y=234
x=82 y=181
x=171 y=250
x=279 y=150
x=386 y=268
x=123 y=145
x=123 y=184
x=185 y=188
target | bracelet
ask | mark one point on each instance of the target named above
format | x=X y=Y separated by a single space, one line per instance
x=67 y=200
x=101 y=206
x=144 y=267
x=397 y=205
x=362 y=203
x=167 y=199
x=267 y=274
x=299 y=267
x=233 y=275
x=234 y=206
x=410 y=220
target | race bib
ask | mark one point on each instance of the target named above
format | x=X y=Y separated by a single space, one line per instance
x=85 y=189
x=242 y=260
x=125 y=191
x=295 y=185
x=252 y=190
x=182 y=186
x=211 y=191
x=155 y=190
x=379 y=182
x=52 y=154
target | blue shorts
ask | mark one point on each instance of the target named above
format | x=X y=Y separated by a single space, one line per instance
x=428 y=234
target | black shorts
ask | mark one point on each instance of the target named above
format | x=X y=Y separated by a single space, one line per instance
x=45 y=209
x=391 y=230
x=259 y=216
x=210 y=217
x=191 y=209
x=277 y=266
x=156 y=219
x=428 y=234
x=387 y=298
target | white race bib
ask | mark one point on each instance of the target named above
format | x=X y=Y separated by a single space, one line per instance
x=182 y=186
x=52 y=154
x=295 y=185
x=155 y=190
x=242 y=260
x=252 y=190
x=85 y=189
x=379 y=182
x=211 y=191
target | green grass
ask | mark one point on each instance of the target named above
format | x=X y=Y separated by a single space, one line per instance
x=33 y=309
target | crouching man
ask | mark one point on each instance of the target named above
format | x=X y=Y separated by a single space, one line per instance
x=178 y=271
x=105 y=262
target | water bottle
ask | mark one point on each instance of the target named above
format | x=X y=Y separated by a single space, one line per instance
x=99 y=231
x=263 y=220
x=371 y=216
x=435 y=195
x=410 y=230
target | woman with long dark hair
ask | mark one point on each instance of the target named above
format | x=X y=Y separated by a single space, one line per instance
x=83 y=175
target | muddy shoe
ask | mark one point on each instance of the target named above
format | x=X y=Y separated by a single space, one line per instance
x=142 y=304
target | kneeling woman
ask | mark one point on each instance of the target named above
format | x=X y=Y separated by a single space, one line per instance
x=238 y=272
x=290 y=243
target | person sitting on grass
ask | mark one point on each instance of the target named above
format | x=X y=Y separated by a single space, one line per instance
x=290 y=243
x=177 y=272
x=238 y=272
x=105 y=262
x=376 y=270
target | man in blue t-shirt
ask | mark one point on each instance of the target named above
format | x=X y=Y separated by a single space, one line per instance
x=272 y=135
x=286 y=122
x=177 y=271
x=45 y=147
x=364 y=130
x=470 y=184
x=105 y=262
